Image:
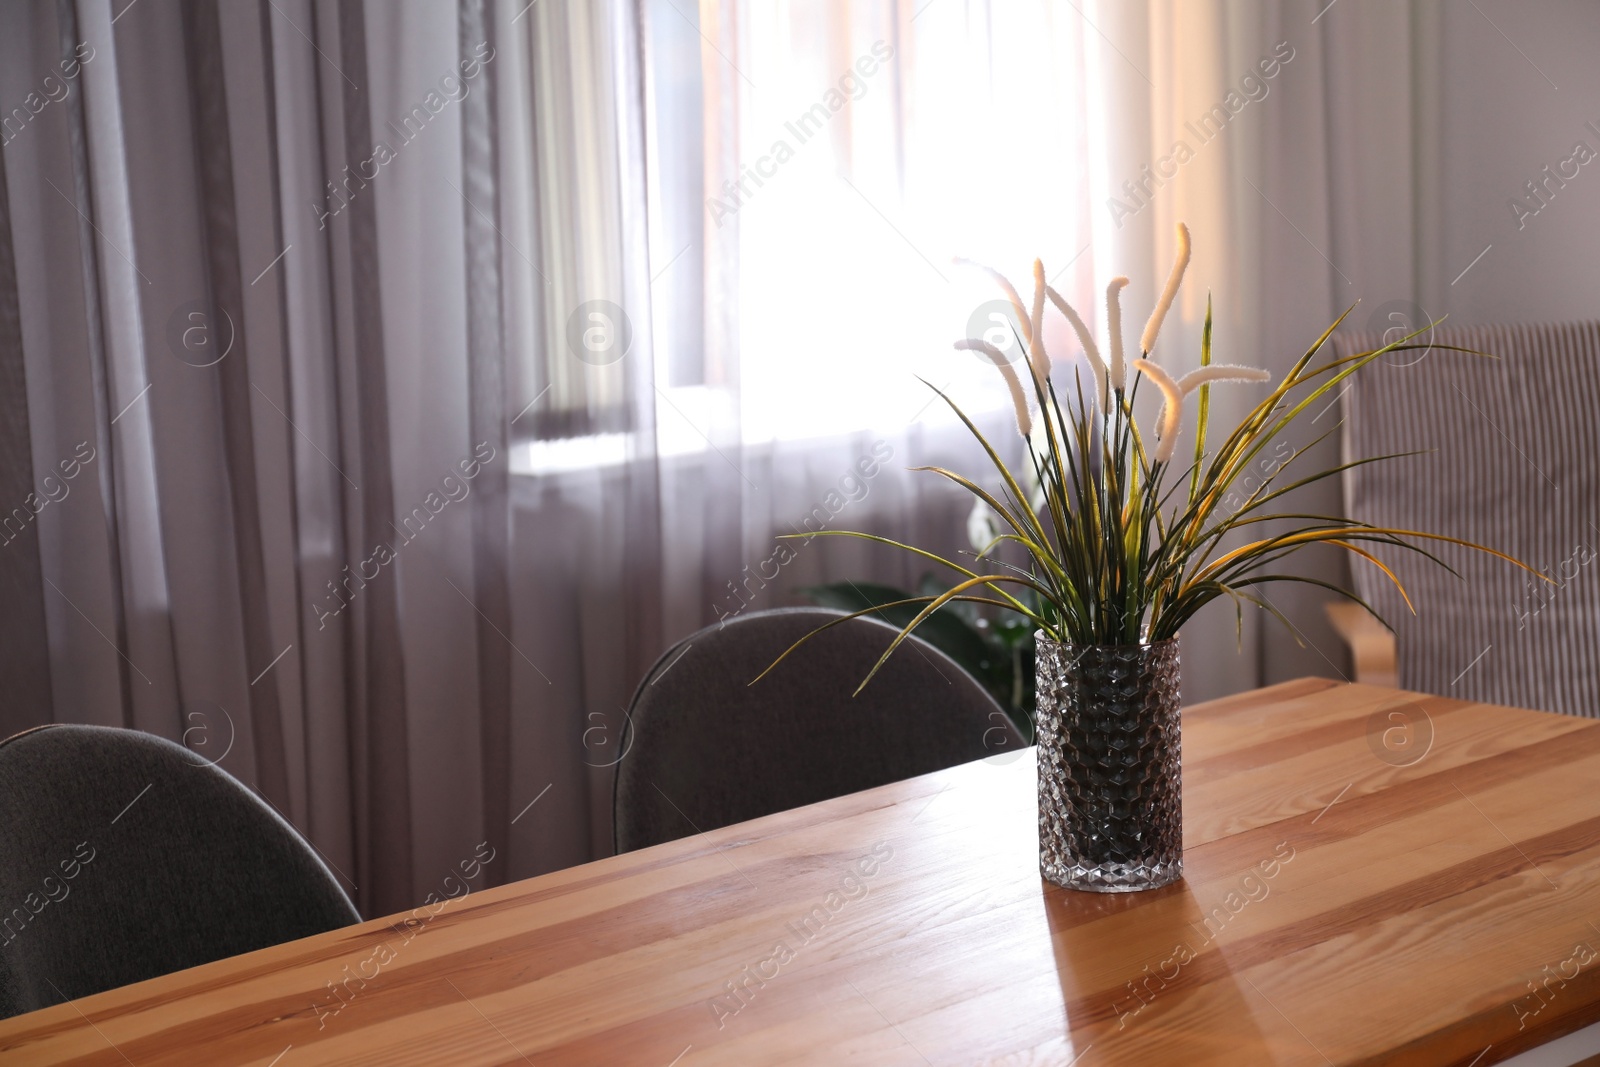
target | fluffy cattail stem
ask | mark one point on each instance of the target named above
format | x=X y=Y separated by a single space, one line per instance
x=1019 y=399
x=1086 y=339
x=1038 y=359
x=1171 y=414
x=1119 y=368
x=1221 y=372
x=1147 y=343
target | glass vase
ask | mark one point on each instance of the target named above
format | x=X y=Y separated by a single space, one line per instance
x=1110 y=775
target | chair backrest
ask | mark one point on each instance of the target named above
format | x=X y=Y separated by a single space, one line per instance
x=1515 y=466
x=706 y=749
x=124 y=856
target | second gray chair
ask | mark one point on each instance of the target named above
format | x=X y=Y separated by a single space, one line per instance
x=707 y=749
x=123 y=856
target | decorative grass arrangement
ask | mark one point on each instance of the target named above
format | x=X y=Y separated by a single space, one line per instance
x=1127 y=545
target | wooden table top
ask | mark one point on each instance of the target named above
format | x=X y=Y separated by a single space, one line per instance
x=1371 y=876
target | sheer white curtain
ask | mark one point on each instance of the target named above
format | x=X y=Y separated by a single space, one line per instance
x=815 y=168
x=864 y=145
x=1005 y=131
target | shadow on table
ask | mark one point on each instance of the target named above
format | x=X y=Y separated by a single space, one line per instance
x=1144 y=981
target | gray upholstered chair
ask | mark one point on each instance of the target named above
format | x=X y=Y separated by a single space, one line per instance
x=1514 y=465
x=707 y=749
x=123 y=856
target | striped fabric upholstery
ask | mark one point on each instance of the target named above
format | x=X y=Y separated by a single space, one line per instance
x=1515 y=465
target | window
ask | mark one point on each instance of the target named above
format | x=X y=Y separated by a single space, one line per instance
x=812 y=169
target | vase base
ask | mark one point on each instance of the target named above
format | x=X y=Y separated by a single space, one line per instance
x=1115 y=878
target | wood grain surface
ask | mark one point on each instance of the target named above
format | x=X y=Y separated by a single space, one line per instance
x=1371 y=877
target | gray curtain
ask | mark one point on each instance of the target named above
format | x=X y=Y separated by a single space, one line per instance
x=308 y=460
x=265 y=324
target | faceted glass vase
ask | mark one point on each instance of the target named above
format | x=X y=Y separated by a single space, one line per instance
x=1110 y=778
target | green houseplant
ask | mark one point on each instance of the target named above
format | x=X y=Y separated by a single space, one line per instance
x=1125 y=547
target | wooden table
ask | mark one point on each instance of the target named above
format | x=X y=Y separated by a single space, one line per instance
x=1371 y=876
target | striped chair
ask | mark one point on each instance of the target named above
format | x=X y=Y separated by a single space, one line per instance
x=1514 y=465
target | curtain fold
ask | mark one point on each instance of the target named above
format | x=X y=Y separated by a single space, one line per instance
x=486 y=335
x=221 y=266
x=24 y=651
